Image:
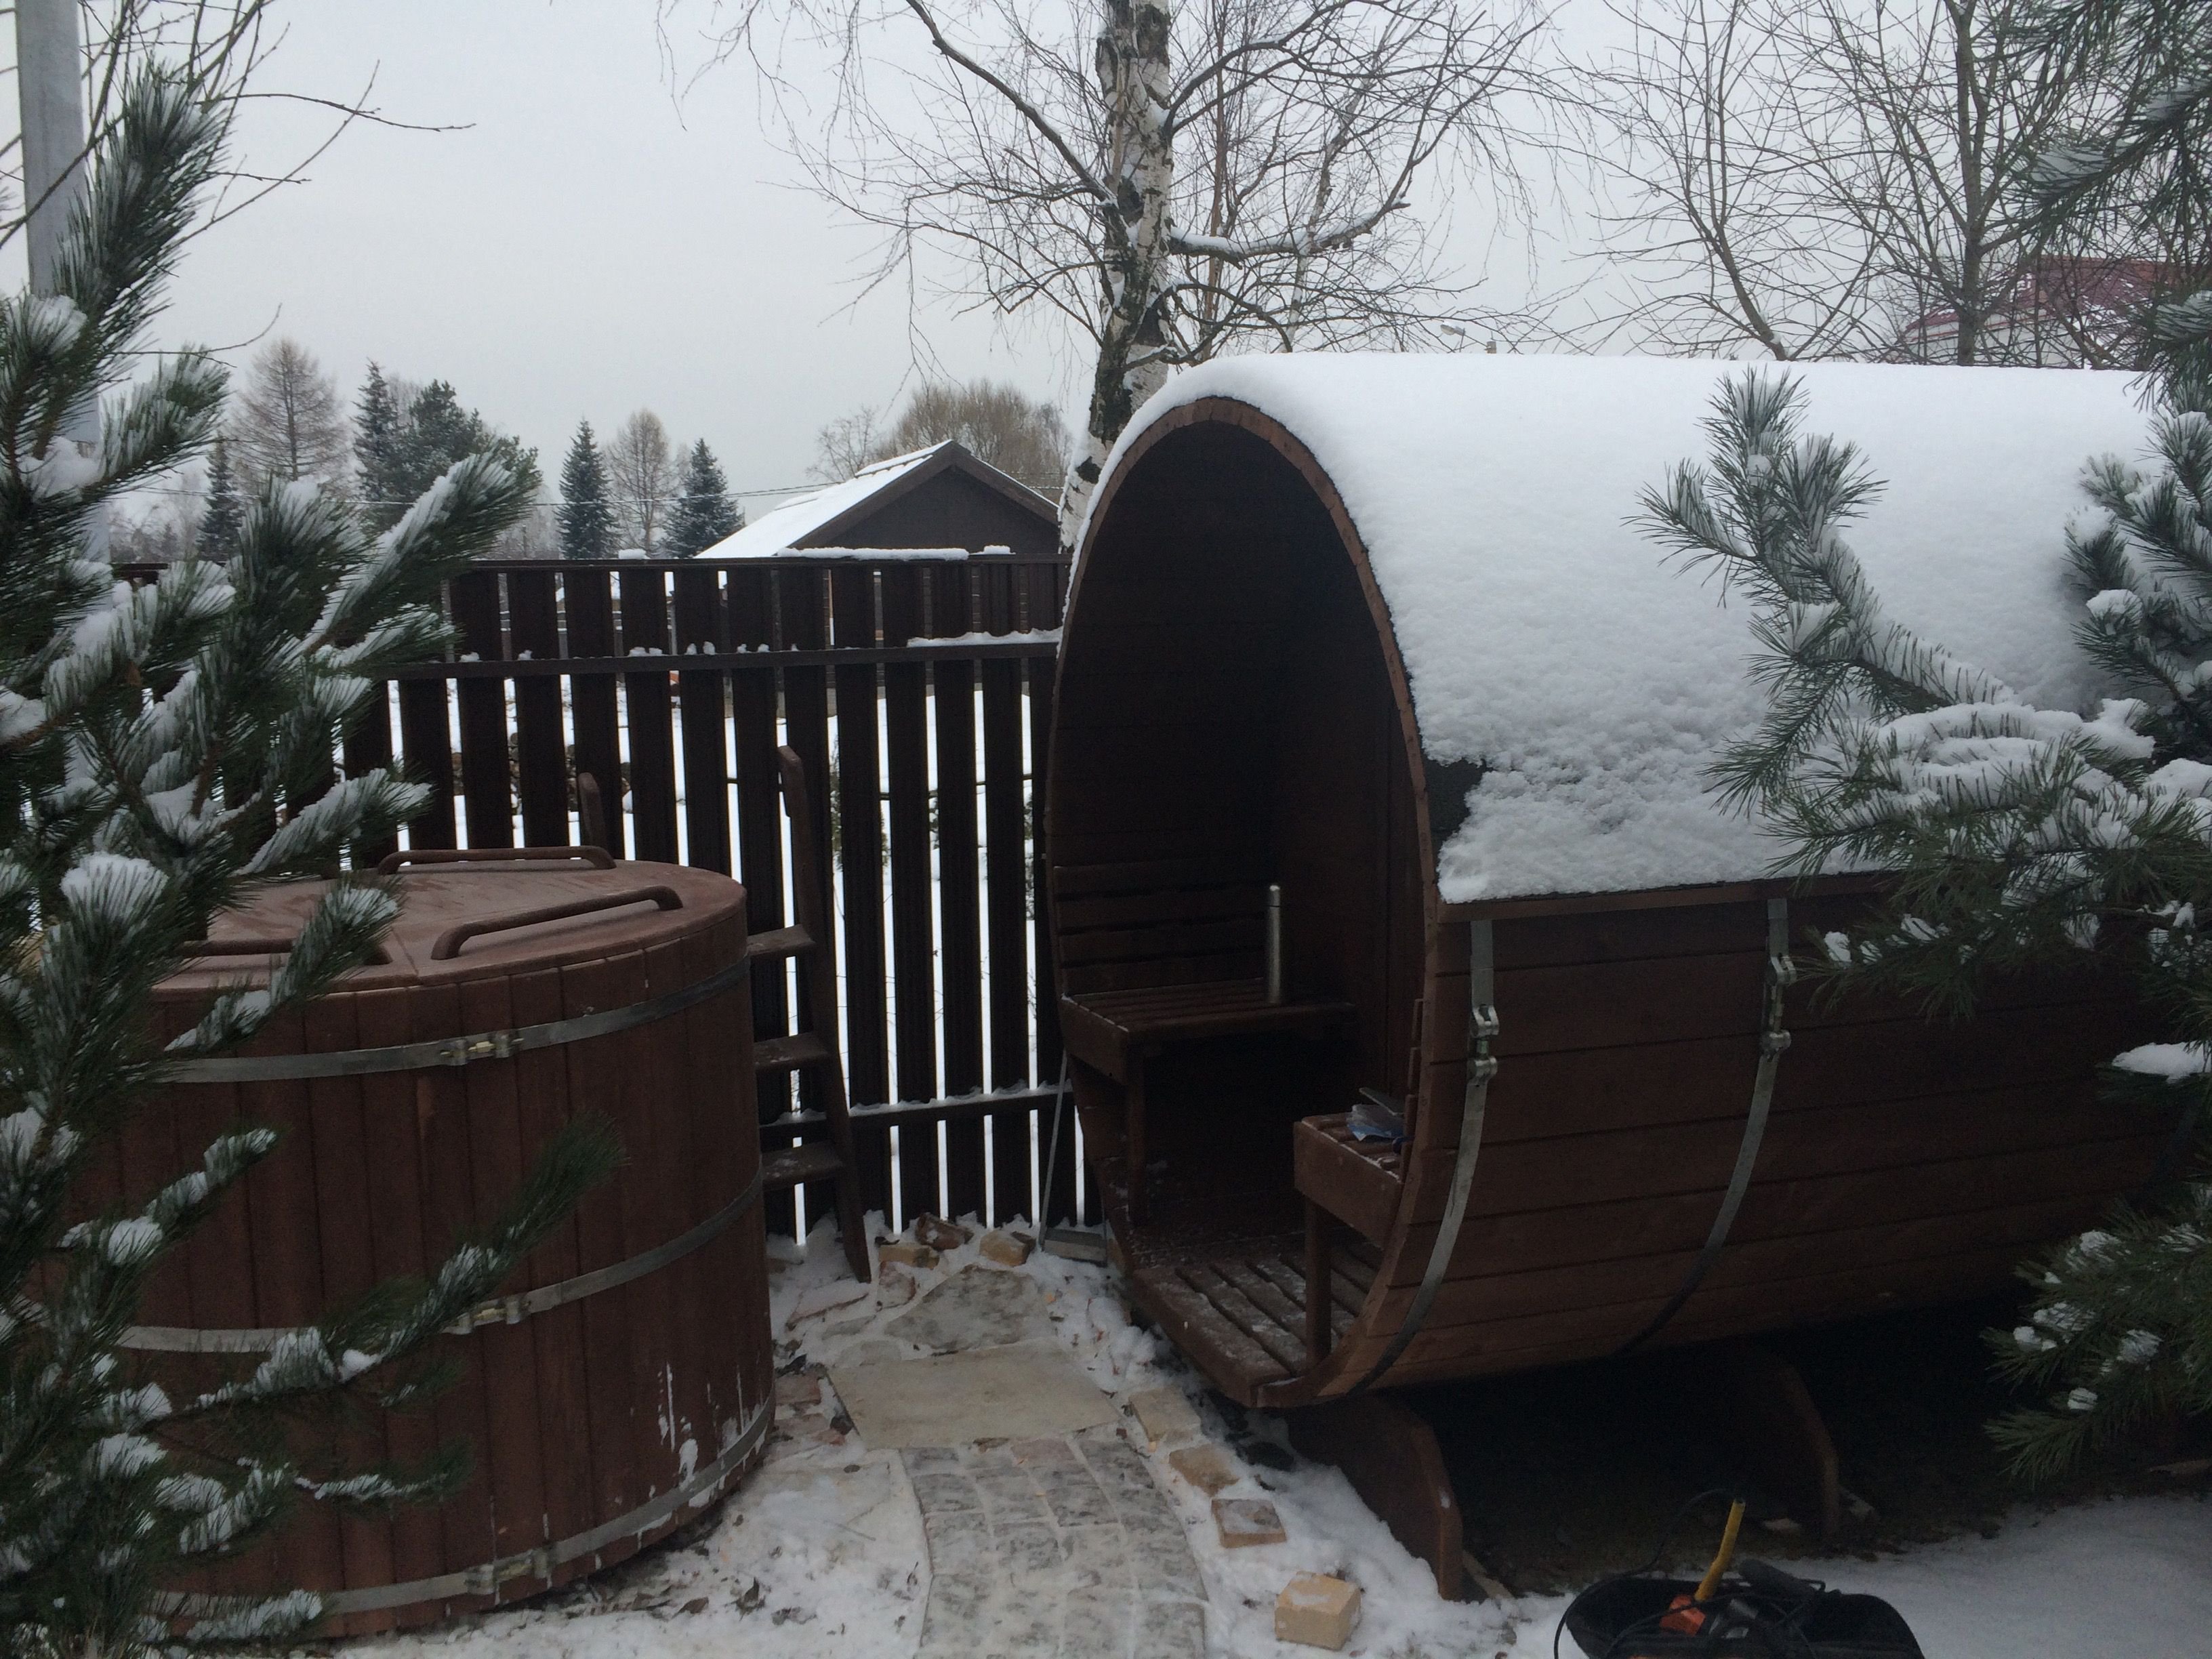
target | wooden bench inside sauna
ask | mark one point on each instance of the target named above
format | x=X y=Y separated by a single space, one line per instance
x=1374 y=637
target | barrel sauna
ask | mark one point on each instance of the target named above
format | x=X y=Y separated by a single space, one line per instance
x=1373 y=639
x=623 y=1379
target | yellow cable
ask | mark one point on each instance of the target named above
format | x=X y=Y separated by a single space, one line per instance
x=1711 y=1580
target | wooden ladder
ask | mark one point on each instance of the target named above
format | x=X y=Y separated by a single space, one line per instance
x=807 y=942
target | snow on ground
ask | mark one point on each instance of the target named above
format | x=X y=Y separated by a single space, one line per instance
x=821 y=1552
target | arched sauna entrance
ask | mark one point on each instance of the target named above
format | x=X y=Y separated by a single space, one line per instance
x=1372 y=639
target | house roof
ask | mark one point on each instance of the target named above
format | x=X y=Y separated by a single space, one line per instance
x=822 y=518
x=1549 y=641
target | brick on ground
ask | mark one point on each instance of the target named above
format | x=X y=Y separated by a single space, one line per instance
x=1007 y=1249
x=1316 y=1611
x=906 y=1252
x=1243 y=1522
x=939 y=1234
x=1208 y=1468
x=1165 y=1415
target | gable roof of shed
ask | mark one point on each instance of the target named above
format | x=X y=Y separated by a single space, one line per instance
x=821 y=516
x=1548 y=642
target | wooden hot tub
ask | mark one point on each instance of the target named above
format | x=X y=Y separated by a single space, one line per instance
x=625 y=1379
x=1375 y=633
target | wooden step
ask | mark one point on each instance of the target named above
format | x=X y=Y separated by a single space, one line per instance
x=778 y=943
x=789 y=1053
x=815 y=1161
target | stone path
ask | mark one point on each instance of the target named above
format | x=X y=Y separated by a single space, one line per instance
x=1062 y=1548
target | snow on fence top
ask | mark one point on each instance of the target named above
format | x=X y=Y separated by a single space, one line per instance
x=1545 y=636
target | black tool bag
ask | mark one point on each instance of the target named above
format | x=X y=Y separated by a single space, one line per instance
x=1759 y=1612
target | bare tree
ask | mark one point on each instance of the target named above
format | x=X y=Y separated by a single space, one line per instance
x=1834 y=180
x=640 y=477
x=1723 y=233
x=1022 y=437
x=1173 y=181
x=288 y=420
x=846 y=444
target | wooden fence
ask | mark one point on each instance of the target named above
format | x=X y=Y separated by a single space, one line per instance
x=917 y=689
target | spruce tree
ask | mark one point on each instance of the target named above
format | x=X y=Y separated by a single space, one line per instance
x=164 y=752
x=586 y=521
x=219 y=525
x=704 y=513
x=376 y=439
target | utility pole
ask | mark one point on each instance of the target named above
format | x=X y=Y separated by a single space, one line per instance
x=49 y=78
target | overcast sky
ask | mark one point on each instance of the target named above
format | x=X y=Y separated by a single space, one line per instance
x=583 y=249
x=585 y=246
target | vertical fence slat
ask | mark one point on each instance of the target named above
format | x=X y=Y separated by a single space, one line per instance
x=1044 y=601
x=801 y=618
x=958 y=894
x=705 y=751
x=484 y=777
x=651 y=715
x=760 y=841
x=906 y=723
x=426 y=743
x=590 y=615
x=1006 y=877
x=541 y=753
x=368 y=746
x=861 y=865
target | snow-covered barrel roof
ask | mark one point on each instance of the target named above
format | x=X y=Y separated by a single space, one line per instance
x=1547 y=637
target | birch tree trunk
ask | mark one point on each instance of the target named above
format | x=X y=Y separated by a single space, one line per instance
x=1134 y=79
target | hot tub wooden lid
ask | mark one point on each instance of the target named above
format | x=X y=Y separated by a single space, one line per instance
x=458 y=921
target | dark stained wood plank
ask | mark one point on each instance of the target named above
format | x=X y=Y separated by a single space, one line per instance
x=595 y=1078
x=913 y=934
x=1005 y=875
x=342 y=1151
x=484 y=775
x=544 y=1108
x=650 y=714
x=368 y=747
x=1043 y=601
x=750 y=596
x=395 y=1188
x=959 y=894
x=427 y=749
x=512 y=1458
x=589 y=596
x=860 y=866
x=541 y=747
x=700 y=624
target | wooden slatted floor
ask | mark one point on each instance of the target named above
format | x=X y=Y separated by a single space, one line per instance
x=1242 y=1315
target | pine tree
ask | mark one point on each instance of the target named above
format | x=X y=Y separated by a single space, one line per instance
x=376 y=442
x=704 y=513
x=401 y=451
x=164 y=752
x=219 y=525
x=586 y=521
x=2018 y=836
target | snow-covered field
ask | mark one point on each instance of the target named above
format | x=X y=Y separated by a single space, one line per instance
x=822 y=1553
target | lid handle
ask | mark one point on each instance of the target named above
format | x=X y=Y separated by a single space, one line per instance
x=450 y=942
x=394 y=863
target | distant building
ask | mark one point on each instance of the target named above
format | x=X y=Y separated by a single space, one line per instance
x=2066 y=313
x=941 y=496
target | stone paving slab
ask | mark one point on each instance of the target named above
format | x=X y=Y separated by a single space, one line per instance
x=1053 y=1547
x=1026 y=1390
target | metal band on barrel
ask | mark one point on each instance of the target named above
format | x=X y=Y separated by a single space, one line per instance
x=500 y=1311
x=460 y=1050
x=1481 y=1032
x=540 y=1563
x=1781 y=973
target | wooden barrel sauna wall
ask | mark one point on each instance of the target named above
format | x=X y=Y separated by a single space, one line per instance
x=624 y=1378
x=1371 y=643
